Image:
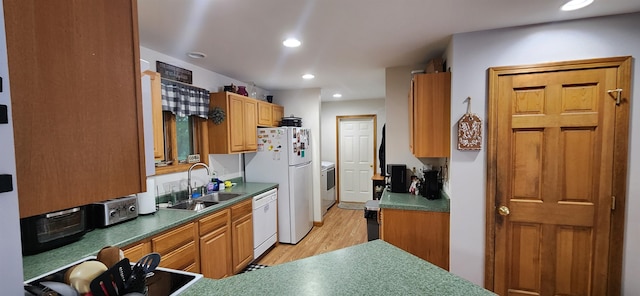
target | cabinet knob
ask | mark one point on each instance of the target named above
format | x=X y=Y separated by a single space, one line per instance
x=503 y=211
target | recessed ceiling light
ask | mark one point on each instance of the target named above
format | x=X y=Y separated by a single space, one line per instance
x=337 y=95
x=575 y=4
x=308 y=76
x=196 y=55
x=291 y=42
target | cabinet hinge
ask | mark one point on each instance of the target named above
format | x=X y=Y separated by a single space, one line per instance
x=613 y=203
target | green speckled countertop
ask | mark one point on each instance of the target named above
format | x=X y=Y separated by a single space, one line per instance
x=406 y=201
x=129 y=232
x=373 y=268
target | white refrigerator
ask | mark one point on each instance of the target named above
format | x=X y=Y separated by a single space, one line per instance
x=284 y=157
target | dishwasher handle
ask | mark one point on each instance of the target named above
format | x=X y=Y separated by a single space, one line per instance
x=260 y=200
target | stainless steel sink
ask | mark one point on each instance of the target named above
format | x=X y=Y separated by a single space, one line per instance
x=194 y=205
x=220 y=196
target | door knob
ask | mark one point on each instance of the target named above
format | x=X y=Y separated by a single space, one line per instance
x=503 y=211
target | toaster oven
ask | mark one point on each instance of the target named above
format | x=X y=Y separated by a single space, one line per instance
x=48 y=231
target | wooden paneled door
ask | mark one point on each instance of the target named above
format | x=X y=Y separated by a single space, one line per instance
x=553 y=161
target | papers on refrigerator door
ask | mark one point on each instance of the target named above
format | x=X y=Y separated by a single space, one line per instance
x=270 y=141
x=300 y=142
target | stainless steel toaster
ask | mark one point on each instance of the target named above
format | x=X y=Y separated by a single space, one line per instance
x=113 y=211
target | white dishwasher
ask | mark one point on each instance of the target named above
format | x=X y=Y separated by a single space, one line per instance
x=265 y=221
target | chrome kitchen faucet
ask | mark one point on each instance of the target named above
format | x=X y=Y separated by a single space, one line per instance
x=189 y=188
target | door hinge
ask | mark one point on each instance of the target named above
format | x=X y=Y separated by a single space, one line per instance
x=613 y=203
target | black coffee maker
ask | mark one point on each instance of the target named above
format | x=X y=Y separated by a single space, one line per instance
x=431 y=185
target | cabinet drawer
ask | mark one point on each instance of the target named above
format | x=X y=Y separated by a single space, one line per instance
x=136 y=251
x=180 y=259
x=242 y=209
x=173 y=239
x=214 y=221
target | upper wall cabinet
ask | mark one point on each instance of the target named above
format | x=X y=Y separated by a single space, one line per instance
x=237 y=132
x=76 y=98
x=156 y=115
x=430 y=115
x=269 y=115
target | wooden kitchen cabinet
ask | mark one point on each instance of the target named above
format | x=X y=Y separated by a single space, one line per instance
x=76 y=102
x=421 y=233
x=242 y=234
x=156 y=114
x=237 y=133
x=136 y=251
x=179 y=248
x=430 y=115
x=276 y=114
x=215 y=245
x=269 y=115
x=265 y=114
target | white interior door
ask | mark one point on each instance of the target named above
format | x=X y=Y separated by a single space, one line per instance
x=356 y=158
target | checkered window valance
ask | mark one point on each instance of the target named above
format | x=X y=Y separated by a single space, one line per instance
x=184 y=100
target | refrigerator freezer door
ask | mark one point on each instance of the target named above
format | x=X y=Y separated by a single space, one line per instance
x=300 y=202
x=298 y=148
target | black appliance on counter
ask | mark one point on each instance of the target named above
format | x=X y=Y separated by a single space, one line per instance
x=398 y=175
x=431 y=184
x=48 y=231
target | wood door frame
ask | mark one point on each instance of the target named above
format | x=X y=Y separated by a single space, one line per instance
x=620 y=159
x=375 y=141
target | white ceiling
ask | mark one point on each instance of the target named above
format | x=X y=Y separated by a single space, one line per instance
x=346 y=44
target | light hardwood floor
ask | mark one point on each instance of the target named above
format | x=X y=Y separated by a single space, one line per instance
x=342 y=228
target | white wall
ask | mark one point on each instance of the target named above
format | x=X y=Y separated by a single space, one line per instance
x=472 y=55
x=329 y=112
x=305 y=103
x=226 y=165
x=10 y=247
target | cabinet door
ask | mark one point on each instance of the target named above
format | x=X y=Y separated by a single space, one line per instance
x=215 y=254
x=277 y=114
x=431 y=115
x=264 y=114
x=423 y=234
x=215 y=245
x=236 y=121
x=250 y=125
x=76 y=102
x=156 y=111
x=242 y=236
x=412 y=116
